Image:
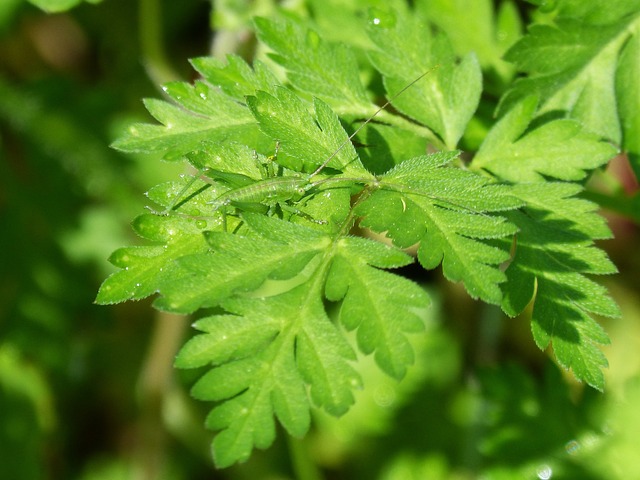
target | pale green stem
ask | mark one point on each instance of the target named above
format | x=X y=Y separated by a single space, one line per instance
x=154 y=384
x=304 y=467
x=154 y=58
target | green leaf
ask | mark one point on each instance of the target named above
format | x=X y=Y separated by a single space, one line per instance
x=305 y=140
x=561 y=149
x=382 y=306
x=572 y=64
x=143 y=268
x=234 y=264
x=199 y=113
x=227 y=338
x=266 y=241
x=261 y=355
x=628 y=95
x=315 y=66
x=554 y=252
x=235 y=77
x=447 y=97
x=444 y=209
x=233 y=158
x=323 y=354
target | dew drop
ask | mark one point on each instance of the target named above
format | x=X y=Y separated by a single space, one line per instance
x=572 y=447
x=201 y=224
x=203 y=95
x=379 y=18
x=544 y=472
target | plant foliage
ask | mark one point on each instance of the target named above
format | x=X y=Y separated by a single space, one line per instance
x=262 y=235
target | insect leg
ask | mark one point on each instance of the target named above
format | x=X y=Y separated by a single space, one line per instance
x=266 y=168
x=296 y=211
x=177 y=199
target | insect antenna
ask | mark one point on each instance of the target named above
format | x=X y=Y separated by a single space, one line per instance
x=387 y=103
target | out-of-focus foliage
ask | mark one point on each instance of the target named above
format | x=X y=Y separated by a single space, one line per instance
x=82 y=392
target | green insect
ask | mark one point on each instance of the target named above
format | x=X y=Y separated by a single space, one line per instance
x=274 y=191
x=277 y=190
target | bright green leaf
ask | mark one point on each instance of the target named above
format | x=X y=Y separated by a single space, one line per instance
x=323 y=69
x=560 y=149
x=572 y=64
x=564 y=297
x=447 y=97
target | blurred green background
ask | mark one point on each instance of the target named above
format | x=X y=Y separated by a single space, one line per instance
x=88 y=392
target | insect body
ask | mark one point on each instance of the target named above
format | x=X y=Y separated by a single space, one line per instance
x=263 y=195
x=276 y=189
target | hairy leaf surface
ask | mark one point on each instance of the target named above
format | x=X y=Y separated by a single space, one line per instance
x=554 y=252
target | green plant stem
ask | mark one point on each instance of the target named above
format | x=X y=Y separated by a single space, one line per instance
x=488 y=336
x=303 y=466
x=154 y=385
x=154 y=59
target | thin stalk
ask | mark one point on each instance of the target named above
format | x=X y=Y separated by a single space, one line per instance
x=154 y=384
x=154 y=57
x=304 y=467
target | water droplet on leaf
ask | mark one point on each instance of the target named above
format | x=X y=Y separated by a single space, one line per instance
x=380 y=18
x=572 y=447
x=544 y=472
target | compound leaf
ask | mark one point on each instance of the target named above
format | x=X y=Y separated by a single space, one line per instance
x=142 y=268
x=310 y=140
x=323 y=69
x=554 y=251
x=200 y=112
x=382 y=306
x=445 y=211
x=236 y=263
x=263 y=356
x=572 y=64
x=446 y=98
x=561 y=149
